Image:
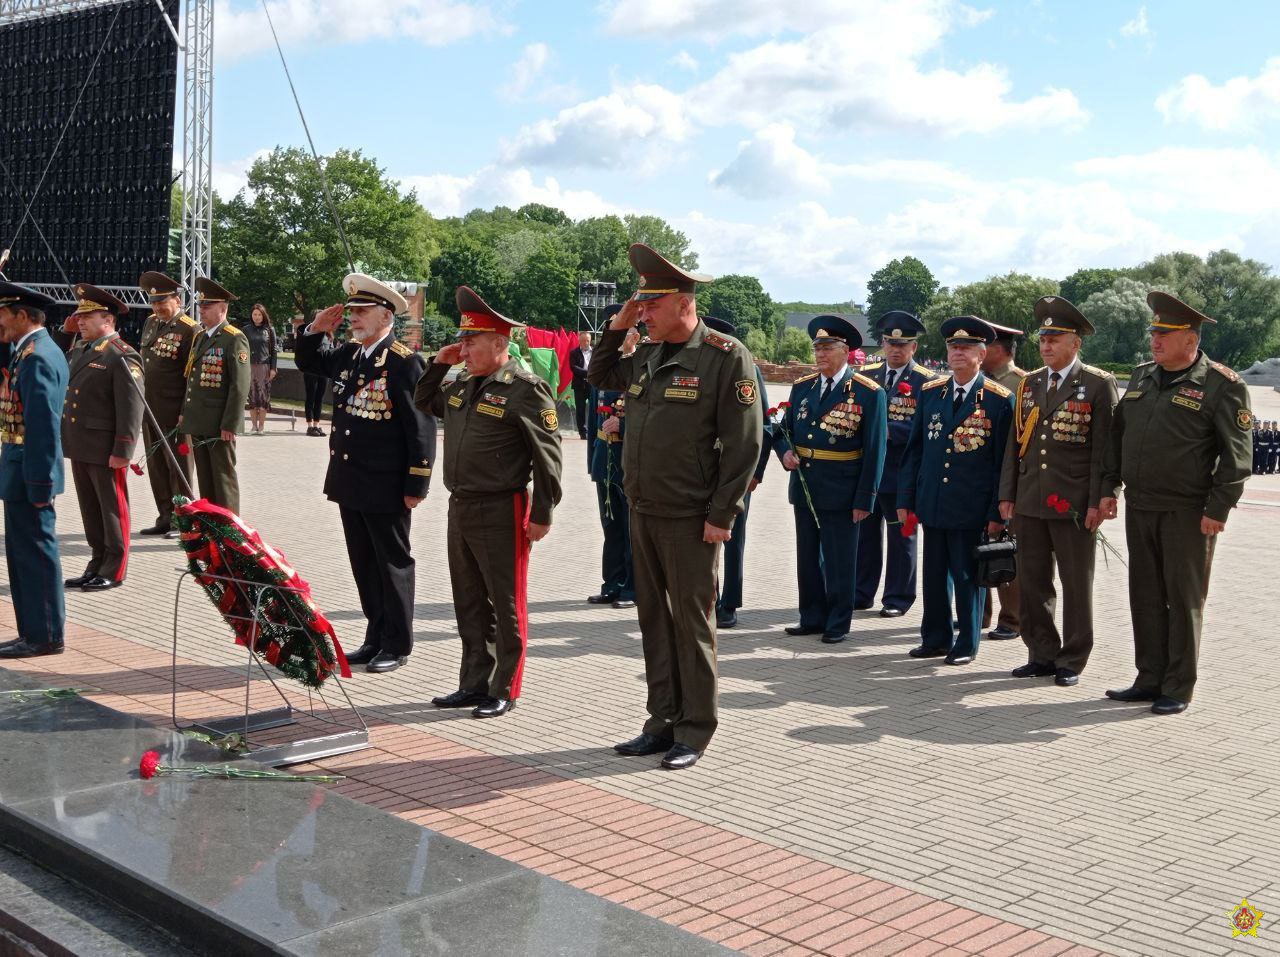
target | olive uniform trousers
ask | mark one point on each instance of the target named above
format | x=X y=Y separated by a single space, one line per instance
x=488 y=546
x=675 y=573
x=103 y=495
x=216 y=471
x=1169 y=563
x=1039 y=541
x=165 y=480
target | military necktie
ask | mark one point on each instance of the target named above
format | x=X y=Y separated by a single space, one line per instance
x=1055 y=380
x=958 y=400
x=888 y=381
x=826 y=390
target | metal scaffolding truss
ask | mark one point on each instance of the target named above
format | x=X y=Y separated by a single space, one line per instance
x=197 y=133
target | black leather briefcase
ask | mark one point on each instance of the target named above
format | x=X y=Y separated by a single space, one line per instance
x=997 y=561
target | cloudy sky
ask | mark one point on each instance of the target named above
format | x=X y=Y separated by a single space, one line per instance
x=804 y=141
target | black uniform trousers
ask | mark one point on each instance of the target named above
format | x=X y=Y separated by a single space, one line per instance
x=488 y=545
x=103 y=494
x=898 y=557
x=166 y=482
x=826 y=557
x=378 y=547
x=616 y=571
x=735 y=553
x=314 y=385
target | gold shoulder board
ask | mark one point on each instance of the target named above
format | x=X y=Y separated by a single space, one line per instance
x=805 y=378
x=400 y=349
x=870 y=383
x=935 y=383
x=997 y=388
x=718 y=341
x=1225 y=371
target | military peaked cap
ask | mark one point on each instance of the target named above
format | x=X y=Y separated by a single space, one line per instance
x=659 y=276
x=1055 y=315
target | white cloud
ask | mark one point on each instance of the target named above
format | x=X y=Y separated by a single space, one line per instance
x=232 y=176
x=1236 y=181
x=684 y=60
x=1239 y=104
x=242 y=30
x=1138 y=26
x=533 y=61
x=446 y=195
x=634 y=127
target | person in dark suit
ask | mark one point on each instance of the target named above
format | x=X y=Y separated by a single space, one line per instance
x=101 y=422
x=832 y=440
x=950 y=480
x=579 y=359
x=381 y=451
x=31 y=476
x=901 y=377
x=729 y=598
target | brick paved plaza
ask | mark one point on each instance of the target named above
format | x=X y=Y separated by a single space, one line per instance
x=853 y=801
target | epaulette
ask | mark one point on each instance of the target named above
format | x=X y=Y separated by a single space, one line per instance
x=186 y=320
x=233 y=330
x=121 y=345
x=723 y=343
x=871 y=366
x=528 y=376
x=1020 y=373
x=934 y=383
x=867 y=381
x=805 y=378
x=400 y=349
x=1226 y=372
x=1094 y=370
x=924 y=369
x=997 y=388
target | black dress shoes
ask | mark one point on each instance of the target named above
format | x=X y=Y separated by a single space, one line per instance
x=798 y=630
x=680 y=756
x=98 y=583
x=1166 y=705
x=959 y=659
x=156 y=529
x=920 y=651
x=1000 y=633
x=1033 y=669
x=461 y=699
x=363 y=655
x=1134 y=694
x=624 y=603
x=1065 y=677
x=493 y=708
x=603 y=599
x=833 y=637
x=77 y=581
x=887 y=612
x=25 y=649
x=383 y=662
x=728 y=619
x=645 y=744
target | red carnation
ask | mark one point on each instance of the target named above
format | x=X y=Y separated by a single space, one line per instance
x=605 y=410
x=149 y=764
x=904 y=388
x=909 y=526
x=184 y=449
x=784 y=405
x=1063 y=506
x=136 y=468
x=1052 y=501
x=858 y=356
x=772 y=411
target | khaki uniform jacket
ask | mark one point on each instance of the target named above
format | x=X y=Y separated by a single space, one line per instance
x=1182 y=441
x=217 y=382
x=499 y=433
x=694 y=428
x=102 y=416
x=1009 y=376
x=1059 y=442
x=165 y=347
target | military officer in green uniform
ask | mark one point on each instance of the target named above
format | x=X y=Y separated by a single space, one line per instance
x=217 y=385
x=694 y=434
x=101 y=422
x=500 y=432
x=1180 y=446
x=1062 y=423
x=165 y=347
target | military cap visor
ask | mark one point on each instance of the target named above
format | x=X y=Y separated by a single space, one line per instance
x=1172 y=314
x=898 y=327
x=1056 y=316
x=92 y=299
x=477 y=316
x=967 y=331
x=834 y=329
x=659 y=276
x=13 y=296
x=158 y=286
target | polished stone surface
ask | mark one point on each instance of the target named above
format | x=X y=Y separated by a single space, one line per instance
x=289 y=865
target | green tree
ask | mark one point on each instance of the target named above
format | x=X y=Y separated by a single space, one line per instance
x=514 y=249
x=758 y=344
x=1181 y=274
x=1083 y=283
x=540 y=213
x=656 y=232
x=545 y=292
x=1244 y=298
x=276 y=242
x=794 y=344
x=1008 y=301
x=465 y=262
x=1120 y=316
x=602 y=250
x=905 y=283
x=740 y=300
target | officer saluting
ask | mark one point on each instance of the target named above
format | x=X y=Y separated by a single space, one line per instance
x=217 y=385
x=101 y=422
x=1180 y=445
x=832 y=439
x=381 y=451
x=501 y=430
x=901 y=377
x=693 y=443
x=951 y=480
x=165 y=347
x=31 y=397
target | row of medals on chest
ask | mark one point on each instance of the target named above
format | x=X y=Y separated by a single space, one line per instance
x=842 y=421
x=211 y=368
x=369 y=401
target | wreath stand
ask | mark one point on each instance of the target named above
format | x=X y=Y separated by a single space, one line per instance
x=346 y=737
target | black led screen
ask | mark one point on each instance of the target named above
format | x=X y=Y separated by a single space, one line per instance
x=104 y=203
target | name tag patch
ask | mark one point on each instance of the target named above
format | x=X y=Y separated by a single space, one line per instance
x=681 y=395
x=487 y=409
x=1185 y=402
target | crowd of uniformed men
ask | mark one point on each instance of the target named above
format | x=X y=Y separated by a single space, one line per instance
x=679 y=435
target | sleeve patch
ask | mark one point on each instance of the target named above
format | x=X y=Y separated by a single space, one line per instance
x=746 y=391
x=550 y=421
x=1244 y=419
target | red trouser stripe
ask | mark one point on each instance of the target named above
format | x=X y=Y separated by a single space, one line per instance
x=521 y=502
x=122 y=508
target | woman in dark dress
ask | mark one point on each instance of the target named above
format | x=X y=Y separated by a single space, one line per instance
x=262 y=365
x=314 y=383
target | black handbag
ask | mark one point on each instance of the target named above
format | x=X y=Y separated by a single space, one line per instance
x=997 y=561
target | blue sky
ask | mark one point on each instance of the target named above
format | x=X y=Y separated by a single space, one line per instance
x=806 y=142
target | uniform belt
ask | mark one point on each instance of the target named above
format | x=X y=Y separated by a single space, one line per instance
x=826 y=455
x=484 y=496
x=604 y=436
